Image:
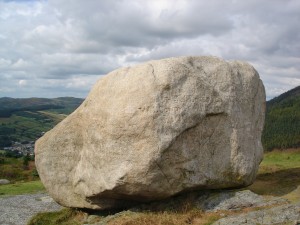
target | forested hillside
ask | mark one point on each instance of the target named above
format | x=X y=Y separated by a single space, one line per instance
x=23 y=120
x=282 y=125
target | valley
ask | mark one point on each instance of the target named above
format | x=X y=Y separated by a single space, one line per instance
x=22 y=121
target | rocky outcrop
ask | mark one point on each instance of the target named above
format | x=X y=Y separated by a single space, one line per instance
x=235 y=206
x=154 y=130
x=211 y=201
x=4 y=181
x=284 y=214
x=234 y=200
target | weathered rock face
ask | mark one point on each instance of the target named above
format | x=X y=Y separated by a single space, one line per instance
x=151 y=131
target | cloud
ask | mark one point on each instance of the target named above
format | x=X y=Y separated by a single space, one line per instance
x=141 y=23
x=22 y=83
x=59 y=48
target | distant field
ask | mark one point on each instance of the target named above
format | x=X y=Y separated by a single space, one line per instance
x=27 y=125
x=280 y=160
x=23 y=120
x=21 y=188
x=57 y=117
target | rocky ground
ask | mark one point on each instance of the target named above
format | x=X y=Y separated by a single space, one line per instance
x=287 y=214
x=17 y=210
x=237 y=208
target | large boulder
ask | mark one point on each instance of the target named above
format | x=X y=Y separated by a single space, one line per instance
x=154 y=130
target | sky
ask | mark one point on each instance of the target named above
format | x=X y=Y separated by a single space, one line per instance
x=55 y=48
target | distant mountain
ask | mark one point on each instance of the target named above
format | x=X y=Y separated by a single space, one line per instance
x=282 y=125
x=23 y=120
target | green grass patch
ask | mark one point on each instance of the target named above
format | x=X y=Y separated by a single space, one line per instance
x=280 y=160
x=279 y=175
x=63 y=217
x=21 y=188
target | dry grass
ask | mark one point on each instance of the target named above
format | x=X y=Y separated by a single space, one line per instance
x=166 y=218
x=190 y=216
x=14 y=170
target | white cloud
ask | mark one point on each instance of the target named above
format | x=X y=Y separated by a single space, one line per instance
x=20 y=64
x=22 y=83
x=4 y=63
x=56 y=48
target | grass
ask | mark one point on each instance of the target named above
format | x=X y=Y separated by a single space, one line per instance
x=55 y=116
x=21 y=188
x=13 y=170
x=279 y=175
x=24 y=179
x=194 y=216
x=277 y=183
x=73 y=216
x=280 y=160
x=63 y=217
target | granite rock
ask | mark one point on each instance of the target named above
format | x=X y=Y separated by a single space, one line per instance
x=156 y=129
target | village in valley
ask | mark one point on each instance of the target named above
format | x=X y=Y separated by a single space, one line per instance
x=19 y=149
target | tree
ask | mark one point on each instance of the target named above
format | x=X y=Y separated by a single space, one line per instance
x=26 y=160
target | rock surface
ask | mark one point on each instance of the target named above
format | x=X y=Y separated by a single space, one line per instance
x=284 y=215
x=214 y=201
x=4 y=181
x=234 y=200
x=17 y=210
x=153 y=130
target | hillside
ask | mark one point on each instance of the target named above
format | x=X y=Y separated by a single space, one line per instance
x=282 y=125
x=24 y=120
x=9 y=106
